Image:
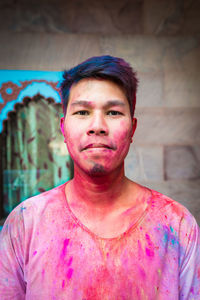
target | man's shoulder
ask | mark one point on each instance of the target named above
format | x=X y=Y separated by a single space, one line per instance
x=158 y=201
x=38 y=204
x=164 y=202
x=168 y=210
x=50 y=195
x=34 y=210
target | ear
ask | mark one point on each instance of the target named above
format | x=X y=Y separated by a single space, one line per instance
x=62 y=120
x=134 y=126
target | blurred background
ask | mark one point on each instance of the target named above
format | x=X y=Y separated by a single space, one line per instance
x=159 y=38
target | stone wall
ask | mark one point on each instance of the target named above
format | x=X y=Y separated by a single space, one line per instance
x=161 y=40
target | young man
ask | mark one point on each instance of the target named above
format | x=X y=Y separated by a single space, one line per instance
x=99 y=236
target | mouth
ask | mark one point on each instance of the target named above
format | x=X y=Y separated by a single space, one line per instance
x=97 y=145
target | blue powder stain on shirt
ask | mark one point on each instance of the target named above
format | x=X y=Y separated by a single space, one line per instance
x=170 y=236
x=165 y=237
x=22 y=208
x=173 y=241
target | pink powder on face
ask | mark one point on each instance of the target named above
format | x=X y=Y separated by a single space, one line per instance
x=97 y=95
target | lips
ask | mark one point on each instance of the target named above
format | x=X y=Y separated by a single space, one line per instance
x=97 y=145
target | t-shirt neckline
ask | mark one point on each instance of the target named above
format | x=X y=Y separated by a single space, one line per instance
x=131 y=228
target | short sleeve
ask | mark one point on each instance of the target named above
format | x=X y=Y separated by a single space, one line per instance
x=12 y=285
x=190 y=266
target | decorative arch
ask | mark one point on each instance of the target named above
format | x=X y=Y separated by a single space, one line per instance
x=34 y=157
x=16 y=85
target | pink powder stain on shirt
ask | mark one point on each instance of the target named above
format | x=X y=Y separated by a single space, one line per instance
x=138 y=292
x=142 y=273
x=140 y=250
x=63 y=284
x=192 y=290
x=69 y=273
x=148 y=239
x=70 y=261
x=198 y=273
x=43 y=272
x=150 y=250
x=34 y=253
x=64 y=250
x=177 y=210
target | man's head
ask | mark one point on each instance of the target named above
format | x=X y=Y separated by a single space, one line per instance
x=102 y=67
x=99 y=102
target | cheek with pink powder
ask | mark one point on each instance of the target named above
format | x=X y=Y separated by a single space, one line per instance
x=120 y=140
x=123 y=137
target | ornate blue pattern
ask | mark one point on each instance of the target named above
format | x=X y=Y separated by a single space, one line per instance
x=15 y=85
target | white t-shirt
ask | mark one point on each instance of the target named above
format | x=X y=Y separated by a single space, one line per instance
x=46 y=253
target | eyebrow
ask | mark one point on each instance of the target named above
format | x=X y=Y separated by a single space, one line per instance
x=108 y=104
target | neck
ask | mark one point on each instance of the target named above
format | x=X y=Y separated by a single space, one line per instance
x=98 y=191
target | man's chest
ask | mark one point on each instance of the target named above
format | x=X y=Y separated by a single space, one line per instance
x=77 y=266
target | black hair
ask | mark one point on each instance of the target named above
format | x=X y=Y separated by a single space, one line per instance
x=105 y=67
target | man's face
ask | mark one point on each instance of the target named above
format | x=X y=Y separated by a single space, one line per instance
x=98 y=126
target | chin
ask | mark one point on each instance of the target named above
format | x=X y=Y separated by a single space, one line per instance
x=98 y=170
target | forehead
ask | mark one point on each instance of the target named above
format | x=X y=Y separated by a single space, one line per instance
x=96 y=90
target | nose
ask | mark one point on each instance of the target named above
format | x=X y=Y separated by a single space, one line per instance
x=98 y=125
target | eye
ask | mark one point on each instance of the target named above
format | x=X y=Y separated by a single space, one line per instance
x=82 y=113
x=114 y=113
